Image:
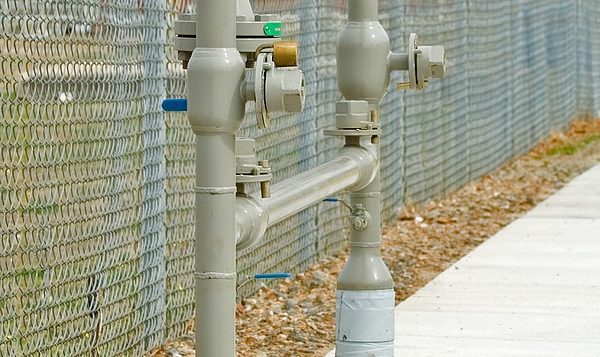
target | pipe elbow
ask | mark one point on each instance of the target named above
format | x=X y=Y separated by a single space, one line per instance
x=353 y=169
x=252 y=220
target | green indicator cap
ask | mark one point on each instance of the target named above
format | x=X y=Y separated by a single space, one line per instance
x=272 y=29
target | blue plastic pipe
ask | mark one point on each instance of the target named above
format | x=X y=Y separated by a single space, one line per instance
x=273 y=276
x=175 y=105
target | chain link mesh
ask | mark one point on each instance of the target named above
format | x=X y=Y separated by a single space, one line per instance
x=96 y=182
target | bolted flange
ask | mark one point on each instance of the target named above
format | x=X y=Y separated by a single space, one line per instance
x=249 y=169
x=252 y=32
x=424 y=63
x=352 y=118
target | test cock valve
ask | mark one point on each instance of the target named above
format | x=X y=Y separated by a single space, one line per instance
x=274 y=81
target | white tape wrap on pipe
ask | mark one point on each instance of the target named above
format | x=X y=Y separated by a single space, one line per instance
x=365 y=323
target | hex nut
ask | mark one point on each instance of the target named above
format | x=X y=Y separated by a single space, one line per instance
x=245 y=147
x=351 y=114
x=283 y=89
x=437 y=61
x=353 y=108
x=293 y=90
x=245 y=154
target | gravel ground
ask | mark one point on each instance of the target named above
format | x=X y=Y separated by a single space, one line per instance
x=297 y=317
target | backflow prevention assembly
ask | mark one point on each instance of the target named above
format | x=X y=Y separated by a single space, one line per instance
x=221 y=46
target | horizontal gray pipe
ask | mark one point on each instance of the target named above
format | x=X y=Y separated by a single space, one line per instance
x=352 y=169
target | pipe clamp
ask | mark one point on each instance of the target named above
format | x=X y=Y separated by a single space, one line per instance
x=365 y=244
x=216 y=190
x=215 y=275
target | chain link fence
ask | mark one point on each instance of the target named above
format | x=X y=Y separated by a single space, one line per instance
x=96 y=182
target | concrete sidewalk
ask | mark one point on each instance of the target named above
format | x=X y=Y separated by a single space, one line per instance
x=531 y=290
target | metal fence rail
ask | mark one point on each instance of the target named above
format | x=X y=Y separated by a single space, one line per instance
x=96 y=182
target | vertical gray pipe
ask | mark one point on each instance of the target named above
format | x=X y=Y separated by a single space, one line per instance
x=215 y=25
x=215 y=245
x=365 y=294
x=363 y=10
x=365 y=270
x=215 y=111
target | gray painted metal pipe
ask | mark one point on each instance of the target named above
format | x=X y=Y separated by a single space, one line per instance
x=215 y=111
x=352 y=169
x=216 y=23
x=362 y=10
x=363 y=54
x=398 y=61
x=365 y=270
x=365 y=288
x=215 y=263
x=365 y=294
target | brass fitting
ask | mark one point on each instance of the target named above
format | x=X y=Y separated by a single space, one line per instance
x=285 y=53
